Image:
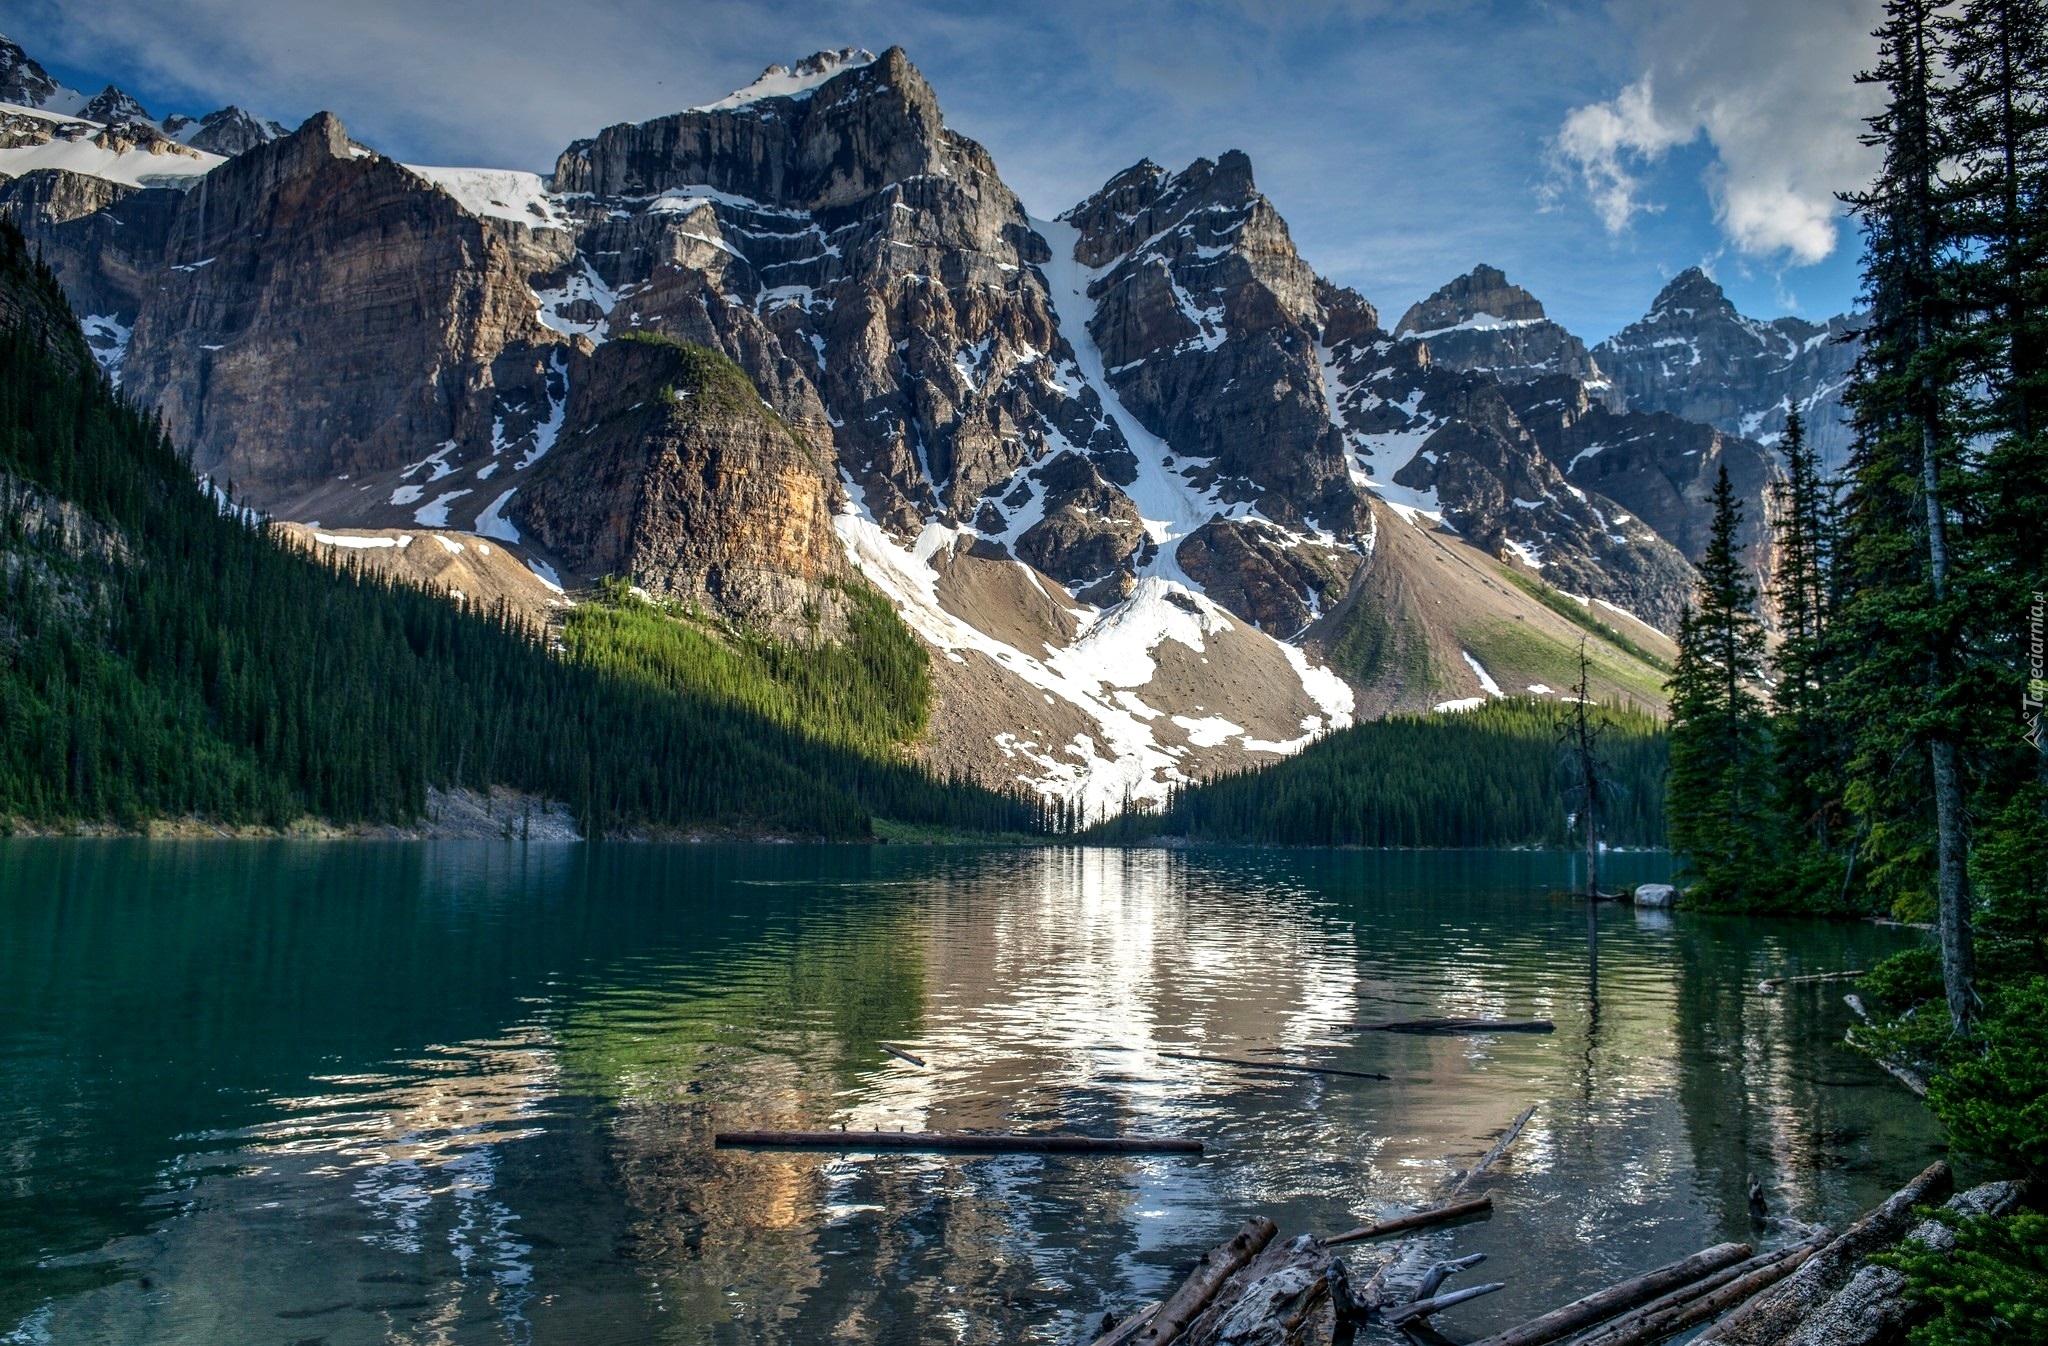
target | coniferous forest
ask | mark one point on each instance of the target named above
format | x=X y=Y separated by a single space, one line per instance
x=161 y=657
x=1886 y=756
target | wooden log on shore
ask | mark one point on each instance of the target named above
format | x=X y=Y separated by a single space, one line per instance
x=1767 y=1317
x=1703 y=1300
x=1874 y=1305
x=1270 y=1300
x=900 y=1054
x=1445 y=1027
x=1598 y=1307
x=1243 y=1064
x=1422 y=1308
x=1132 y=1324
x=973 y=1141
x=1500 y=1147
x=1184 y=1305
x=1444 y=1214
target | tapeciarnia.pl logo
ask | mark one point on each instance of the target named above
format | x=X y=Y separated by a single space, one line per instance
x=2037 y=682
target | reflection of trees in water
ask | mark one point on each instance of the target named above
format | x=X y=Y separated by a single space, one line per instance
x=1765 y=1084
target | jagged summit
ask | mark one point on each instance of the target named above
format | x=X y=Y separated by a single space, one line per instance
x=1481 y=293
x=794 y=81
x=1692 y=292
x=112 y=106
x=229 y=131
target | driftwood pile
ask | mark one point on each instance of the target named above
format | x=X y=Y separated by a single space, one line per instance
x=1259 y=1290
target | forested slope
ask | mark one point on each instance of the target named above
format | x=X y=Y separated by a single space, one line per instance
x=160 y=657
x=1493 y=776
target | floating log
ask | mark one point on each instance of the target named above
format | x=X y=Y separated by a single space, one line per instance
x=1243 y=1064
x=1132 y=1324
x=1703 y=1300
x=1217 y=1266
x=1422 y=1308
x=1602 y=1305
x=1456 y=1210
x=1768 y=1316
x=1500 y=1147
x=982 y=1142
x=1446 y=1027
x=900 y=1054
x=1769 y=985
x=1434 y=1278
x=1905 y=1075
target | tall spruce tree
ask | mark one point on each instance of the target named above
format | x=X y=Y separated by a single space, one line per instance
x=1719 y=791
x=1904 y=611
x=1805 y=735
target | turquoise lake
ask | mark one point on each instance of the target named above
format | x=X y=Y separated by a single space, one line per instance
x=344 y=1093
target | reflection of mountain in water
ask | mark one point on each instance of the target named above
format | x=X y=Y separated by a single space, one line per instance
x=544 y=1173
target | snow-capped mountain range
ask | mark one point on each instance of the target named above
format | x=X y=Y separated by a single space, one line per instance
x=1160 y=499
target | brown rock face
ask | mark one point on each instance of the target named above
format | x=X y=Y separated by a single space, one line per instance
x=672 y=474
x=320 y=313
x=1089 y=533
x=1263 y=575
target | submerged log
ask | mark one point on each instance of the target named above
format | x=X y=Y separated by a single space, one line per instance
x=1243 y=1064
x=1769 y=985
x=1767 y=1317
x=1602 y=1305
x=1130 y=1326
x=900 y=1054
x=1444 y=1214
x=1703 y=1300
x=1451 y=1026
x=1500 y=1147
x=974 y=1141
x=1422 y=1308
x=1216 y=1267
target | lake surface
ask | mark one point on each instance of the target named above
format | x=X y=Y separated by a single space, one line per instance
x=464 y=1092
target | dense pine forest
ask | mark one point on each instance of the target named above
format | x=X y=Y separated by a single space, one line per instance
x=1887 y=757
x=160 y=657
x=1494 y=776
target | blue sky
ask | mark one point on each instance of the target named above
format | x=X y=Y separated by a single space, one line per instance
x=1590 y=148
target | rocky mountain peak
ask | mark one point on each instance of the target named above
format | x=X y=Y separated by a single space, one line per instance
x=1692 y=293
x=1483 y=322
x=1482 y=292
x=836 y=142
x=22 y=81
x=227 y=132
x=111 y=105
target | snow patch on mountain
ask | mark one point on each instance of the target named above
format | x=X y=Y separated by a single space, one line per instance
x=498 y=193
x=795 y=82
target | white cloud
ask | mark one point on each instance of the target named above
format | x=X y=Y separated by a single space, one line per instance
x=1770 y=85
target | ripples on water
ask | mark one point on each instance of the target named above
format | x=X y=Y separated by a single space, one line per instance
x=465 y=1093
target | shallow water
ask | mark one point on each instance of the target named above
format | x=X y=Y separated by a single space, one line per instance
x=458 y=1093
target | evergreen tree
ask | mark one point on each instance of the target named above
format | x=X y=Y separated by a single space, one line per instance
x=1719 y=790
x=1805 y=735
x=1904 y=609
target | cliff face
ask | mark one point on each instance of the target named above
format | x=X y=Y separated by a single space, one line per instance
x=671 y=471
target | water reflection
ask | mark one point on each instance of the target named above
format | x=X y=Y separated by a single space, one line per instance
x=462 y=1094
